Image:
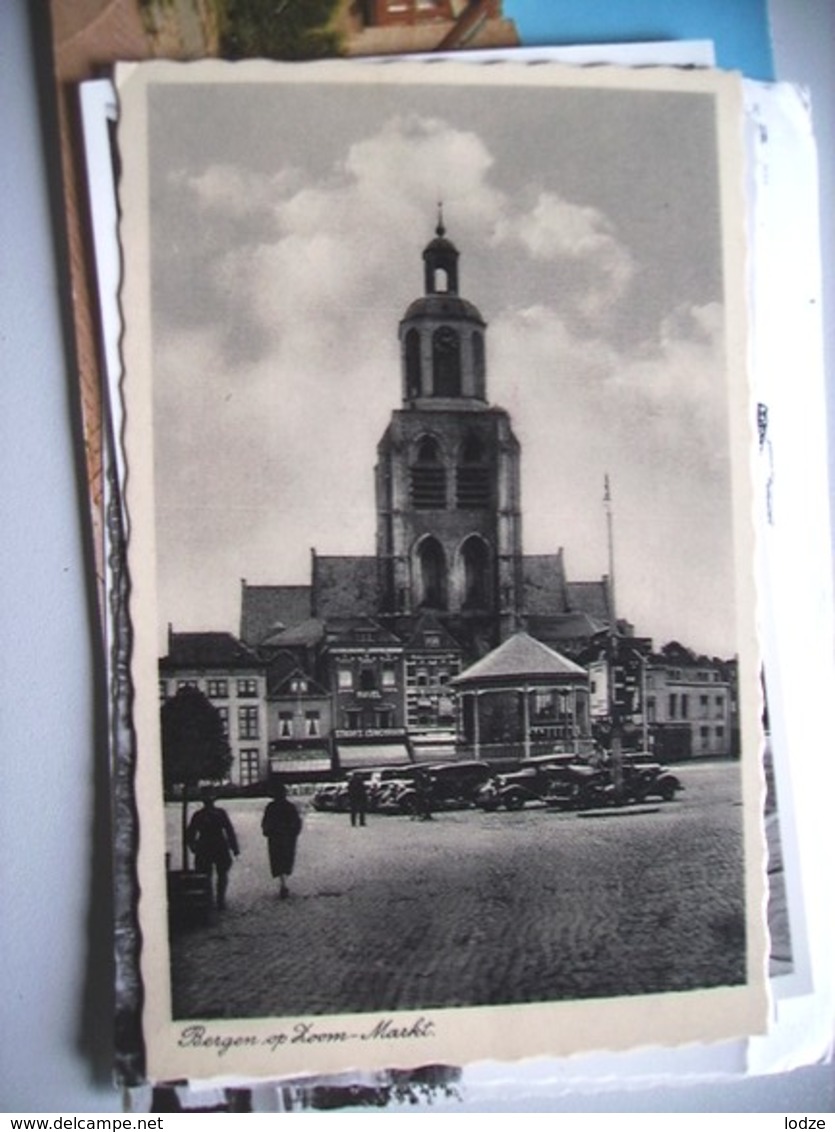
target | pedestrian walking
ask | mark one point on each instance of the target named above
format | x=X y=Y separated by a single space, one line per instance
x=357 y=799
x=281 y=825
x=212 y=839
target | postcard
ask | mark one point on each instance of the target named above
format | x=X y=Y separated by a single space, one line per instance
x=439 y=442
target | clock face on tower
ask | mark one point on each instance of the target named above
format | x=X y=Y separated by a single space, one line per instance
x=447 y=339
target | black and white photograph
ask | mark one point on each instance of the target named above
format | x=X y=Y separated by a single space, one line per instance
x=441 y=550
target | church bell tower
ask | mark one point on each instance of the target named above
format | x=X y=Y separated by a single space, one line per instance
x=449 y=527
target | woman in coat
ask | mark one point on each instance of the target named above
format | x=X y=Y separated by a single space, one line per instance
x=281 y=825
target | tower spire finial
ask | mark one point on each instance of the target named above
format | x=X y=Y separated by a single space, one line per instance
x=440 y=230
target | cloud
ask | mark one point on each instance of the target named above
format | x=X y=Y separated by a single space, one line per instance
x=272 y=396
x=554 y=230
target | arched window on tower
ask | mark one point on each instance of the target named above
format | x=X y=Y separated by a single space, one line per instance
x=446 y=362
x=476 y=561
x=440 y=281
x=432 y=575
x=479 y=363
x=472 y=479
x=413 y=374
x=428 y=476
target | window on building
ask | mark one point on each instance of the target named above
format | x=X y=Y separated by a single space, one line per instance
x=685 y=705
x=384 y=718
x=248 y=722
x=651 y=709
x=446 y=358
x=312 y=723
x=163 y=689
x=298 y=686
x=247 y=687
x=285 y=724
x=432 y=575
x=413 y=366
x=720 y=732
x=428 y=477
x=432 y=640
x=217 y=689
x=223 y=712
x=720 y=707
x=353 y=720
x=704 y=734
x=472 y=477
x=673 y=709
x=476 y=560
x=186 y=684
x=479 y=365
x=704 y=703
x=248 y=769
x=389 y=674
x=344 y=676
x=368 y=678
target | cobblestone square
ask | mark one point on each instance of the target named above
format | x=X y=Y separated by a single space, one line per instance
x=476 y=908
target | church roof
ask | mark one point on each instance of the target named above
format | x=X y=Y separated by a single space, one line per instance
x=443 y=306
x=591 y=598
x=543 y=577
x=207 y=650
x=265 y=609
x=345 y=586
x=520 y=656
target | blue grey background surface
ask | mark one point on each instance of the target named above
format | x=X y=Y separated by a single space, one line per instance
x=55 y=1010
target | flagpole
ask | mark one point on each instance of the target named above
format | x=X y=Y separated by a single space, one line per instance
x=614 y=708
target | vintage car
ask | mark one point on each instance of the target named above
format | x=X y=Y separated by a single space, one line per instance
x=385 y=782
x=444 y=786
x=644 y=777
x=560 y=781
x=331 y=797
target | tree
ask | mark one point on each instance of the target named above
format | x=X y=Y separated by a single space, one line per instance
x=194 y=747
x=278 y=29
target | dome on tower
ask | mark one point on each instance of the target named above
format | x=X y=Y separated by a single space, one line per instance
x=443 y=306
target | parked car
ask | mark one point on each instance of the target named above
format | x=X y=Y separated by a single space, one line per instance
x=331 y=797
x=643 y=777
x=445 y=786
x=385 y=782
x=555 y=780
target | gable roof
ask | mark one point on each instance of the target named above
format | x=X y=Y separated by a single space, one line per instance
x=428 y=622
x=520 y=656
x=265 y=608
x=207 y=650
x=349 y=631
x=278 y=685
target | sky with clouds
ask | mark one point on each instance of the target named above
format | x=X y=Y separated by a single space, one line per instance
x=287 y=230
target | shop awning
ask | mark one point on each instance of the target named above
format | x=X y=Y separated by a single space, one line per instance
x=353 y=756
x=300 y=762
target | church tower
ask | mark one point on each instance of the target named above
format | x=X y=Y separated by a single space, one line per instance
x=449 y=527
